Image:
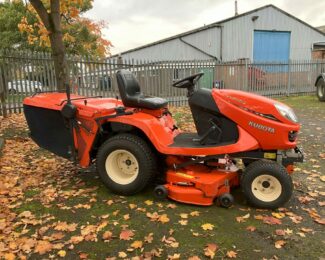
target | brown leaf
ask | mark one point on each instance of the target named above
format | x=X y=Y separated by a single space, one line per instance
x=64 y=226
x=251 y=228
x=231 y=254
x=76 y=239
x=83 y=255
x=271 y=220
x=149 y=238
x=242 y=218
x=163 y=218
x=280 y=232
x=107 y=235
x=195 y=257
x=195 y=213
x=43 y=247
x=126 y=234
x=279 y=244
x=320 y=220
x=210 y=250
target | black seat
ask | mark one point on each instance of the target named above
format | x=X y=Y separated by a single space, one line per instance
x=131 y=94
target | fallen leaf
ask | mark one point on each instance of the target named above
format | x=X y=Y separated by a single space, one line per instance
x=183 y=222
x=279 y=244
x=271 y=220
x=122 y=254
x=148 y=202
x=207 y=226
x=137 y=244
x=280 y=232
x=76 y=239
x=210 y=250
x=184 y=215
x=126 y=234
x=278 y=215
x=107 y=235
x=195 y=213
x=64 y=226
x=251 y=228
x=62 y=253
x=148 y=238
x=231 y=254
x=163 y=218
x=242 y=218
x=43 y=247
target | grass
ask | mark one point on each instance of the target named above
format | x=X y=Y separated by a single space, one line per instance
x=228 y=234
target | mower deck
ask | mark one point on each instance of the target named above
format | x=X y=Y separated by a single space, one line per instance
x=199 y=184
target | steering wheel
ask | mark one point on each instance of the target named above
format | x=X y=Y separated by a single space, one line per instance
x=188 y=82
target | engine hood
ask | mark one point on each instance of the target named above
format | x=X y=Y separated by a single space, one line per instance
x=252 y=103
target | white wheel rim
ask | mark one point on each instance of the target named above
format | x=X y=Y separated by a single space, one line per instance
x=266 y=188
x=122 y=167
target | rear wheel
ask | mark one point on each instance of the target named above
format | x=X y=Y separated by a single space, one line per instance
x=126 y=164
x=321 y=89
x=266 y=184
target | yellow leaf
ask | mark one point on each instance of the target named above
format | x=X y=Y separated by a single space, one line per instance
x=184 y=215
x=132 y=206
x=207 y=226
x=195 y=213
x=137 y=244
x=148 y=202
x=62 y=253
x=183 y=222
x=122 y=254
x=163 y=218
x=278 y=215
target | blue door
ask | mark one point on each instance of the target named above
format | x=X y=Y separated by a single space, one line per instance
x=271 y=46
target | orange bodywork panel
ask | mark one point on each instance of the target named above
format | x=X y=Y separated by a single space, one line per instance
x=199 y=185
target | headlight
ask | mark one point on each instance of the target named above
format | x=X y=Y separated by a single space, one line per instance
x=286 y=112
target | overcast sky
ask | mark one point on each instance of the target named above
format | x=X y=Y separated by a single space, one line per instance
x=132 y=23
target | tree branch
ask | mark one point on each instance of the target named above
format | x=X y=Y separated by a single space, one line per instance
x=42 y=12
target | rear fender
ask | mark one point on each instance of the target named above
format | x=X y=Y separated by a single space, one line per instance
x=322 y=75
x=157 y=130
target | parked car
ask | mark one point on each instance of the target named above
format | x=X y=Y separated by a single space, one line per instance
x=320 y=87
x=24 y=86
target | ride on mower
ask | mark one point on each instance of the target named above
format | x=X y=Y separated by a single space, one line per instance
x=135 y=139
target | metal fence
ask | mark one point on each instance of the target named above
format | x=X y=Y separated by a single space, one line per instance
x=22 y=74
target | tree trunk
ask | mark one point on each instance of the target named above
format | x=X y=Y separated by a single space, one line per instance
x=52 y=22
x=60 y=63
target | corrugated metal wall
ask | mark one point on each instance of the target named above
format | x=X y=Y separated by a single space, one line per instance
x=238 y=34
x=237 y=39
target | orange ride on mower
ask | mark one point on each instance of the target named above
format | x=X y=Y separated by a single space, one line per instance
x=134 y=139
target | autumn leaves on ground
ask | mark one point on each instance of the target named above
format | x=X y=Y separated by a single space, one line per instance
x=51 y=209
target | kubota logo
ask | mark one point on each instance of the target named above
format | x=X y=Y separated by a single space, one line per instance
x=262 y=127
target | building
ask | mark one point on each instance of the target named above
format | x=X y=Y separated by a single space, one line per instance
x=264 y=34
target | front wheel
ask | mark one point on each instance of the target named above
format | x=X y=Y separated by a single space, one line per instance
x=321 y=90
x=266 y=184
x=126 y=164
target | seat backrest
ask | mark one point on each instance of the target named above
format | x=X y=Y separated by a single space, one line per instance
x=128 y=86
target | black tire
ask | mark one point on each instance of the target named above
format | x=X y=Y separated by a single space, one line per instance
x=160 y=192
x=141 y=153
x=266 y=184
x=321 y=90
x=226 y=200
